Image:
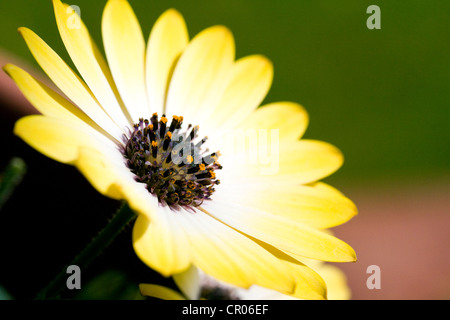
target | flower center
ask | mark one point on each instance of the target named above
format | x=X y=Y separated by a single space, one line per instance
x=171 y=162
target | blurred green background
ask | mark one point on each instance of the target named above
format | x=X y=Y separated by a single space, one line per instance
x=381 y=96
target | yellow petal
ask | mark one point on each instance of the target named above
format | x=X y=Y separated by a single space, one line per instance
x=309 y=160
x=59 y=139
x=68 y=82
x=47 y=101
x=283 y=161
x=248 y=82
x=198 y=78
x=189 y=282
x=337 y=288
x=229 y=256
x=310 y=204
x=106 y=176
x=161 y=243
x=168 y=38
x=290 y=118
x=89 y=61
x=309 y=284
x=140 y=199
x=125 y=51
x=288 y=235
x=160 y=292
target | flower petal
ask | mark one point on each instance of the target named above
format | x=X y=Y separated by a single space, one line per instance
x=189 y=282
x=125 y=51
x=47 y=101
x=59 y=139
x=336 y=282
x=298 y=162
x=68 y=82
x=249 y=81
x=198 y=78
x=288 y=235
x=108 y=175
x=309 y=284
x=316 y=205
x=290 y=118
x=168 y=38
x=162 y=243
x=160 y=292
x=337 y=288
x=229 y=256
x=309 y=160
x=89 y=61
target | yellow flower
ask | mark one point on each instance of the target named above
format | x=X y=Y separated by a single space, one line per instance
x=126 y=118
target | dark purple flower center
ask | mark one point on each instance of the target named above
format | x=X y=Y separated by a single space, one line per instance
x=171 y=162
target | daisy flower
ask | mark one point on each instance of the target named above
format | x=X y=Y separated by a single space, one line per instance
x=151 y=124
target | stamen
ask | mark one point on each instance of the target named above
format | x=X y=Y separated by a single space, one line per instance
x=150 y=151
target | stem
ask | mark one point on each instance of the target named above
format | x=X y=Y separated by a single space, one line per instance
x=104 y=238
x=10 y=178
